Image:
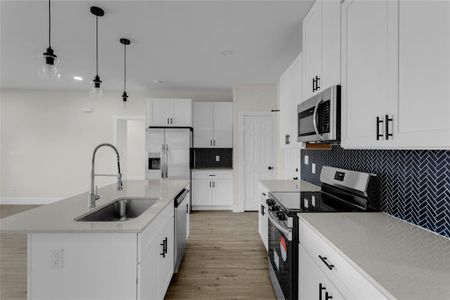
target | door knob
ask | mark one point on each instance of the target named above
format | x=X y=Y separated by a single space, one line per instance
x=270 y=168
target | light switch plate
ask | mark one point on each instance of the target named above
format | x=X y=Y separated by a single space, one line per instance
x=306 y=159
x=217 y=158
x=56 y=258
x=313 y=166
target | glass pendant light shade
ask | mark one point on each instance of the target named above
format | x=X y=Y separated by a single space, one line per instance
x=49 y=60
x=96 y=87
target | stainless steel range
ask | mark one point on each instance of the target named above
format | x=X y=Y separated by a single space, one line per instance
x=341 y=191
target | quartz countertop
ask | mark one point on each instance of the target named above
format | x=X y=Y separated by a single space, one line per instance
x=285 y=185
x=403 y=259
x=59 y=216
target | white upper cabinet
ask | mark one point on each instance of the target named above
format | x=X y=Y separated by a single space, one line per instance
x=213 y=124
x=169 y=112
x=290 y=95
x=321 y=47
x=422 y=114
x=395 y=74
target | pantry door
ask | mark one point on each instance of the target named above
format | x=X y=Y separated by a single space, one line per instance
x=257 y=156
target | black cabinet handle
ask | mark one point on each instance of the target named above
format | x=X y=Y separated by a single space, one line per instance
x=321 y=288
x=210 y=184
x=379 y=121
x=317 y=83
x=164 y=245
x=387 y=120
x=262 y=210
x=187 y=208
x=264 y=194
x=327 y=296
x=313 y=84
x=324 y=260
x=295 y=178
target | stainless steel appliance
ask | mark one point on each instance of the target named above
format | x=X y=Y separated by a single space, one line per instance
x=181 y=212
x=341 y=191
x=319 y=117
x=169 y=152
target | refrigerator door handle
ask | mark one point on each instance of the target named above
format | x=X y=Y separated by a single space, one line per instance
x=163 y=160
x=167 y=161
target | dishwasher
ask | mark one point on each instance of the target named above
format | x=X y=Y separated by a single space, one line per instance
x=181 y=212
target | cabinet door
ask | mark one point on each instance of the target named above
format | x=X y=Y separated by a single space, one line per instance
x=312 y=47
x=181 y=112
x=203 y=124
x=368 y=62
x=421 y=118
x=222 y=191
x=331 y=43
x=296 y=98
x=166 y=262
x=159 y=111
x=223 y=125
x=148 y=272
x=201 y=192
x=284 y=98
x=313 y=284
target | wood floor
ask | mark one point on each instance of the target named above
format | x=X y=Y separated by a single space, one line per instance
x=224 y=259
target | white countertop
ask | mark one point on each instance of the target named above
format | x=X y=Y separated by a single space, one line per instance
x=406 y=260
x=59 y=216
x=285 y=185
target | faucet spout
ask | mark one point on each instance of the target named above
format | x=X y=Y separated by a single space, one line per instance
x=93 y=195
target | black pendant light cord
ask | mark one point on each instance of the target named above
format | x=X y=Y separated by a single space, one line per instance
x=125 y=67
x=96 y=44
x=49 y=25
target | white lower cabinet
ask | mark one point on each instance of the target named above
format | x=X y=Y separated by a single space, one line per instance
x=156 y=256
x=313 y=284
x=263 y=219
x=212 y=190
x=323 y=270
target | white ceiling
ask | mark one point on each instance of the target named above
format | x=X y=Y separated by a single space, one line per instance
x=179 y=43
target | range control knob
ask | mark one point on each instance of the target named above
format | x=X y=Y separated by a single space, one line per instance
x=270 y=202
x=281 y=216
x=275 y=208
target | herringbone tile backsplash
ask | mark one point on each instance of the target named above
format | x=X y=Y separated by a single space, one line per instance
x=415 y=184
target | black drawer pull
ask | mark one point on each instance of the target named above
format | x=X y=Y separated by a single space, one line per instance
x=324 y=260
x=379 y=121
x=387 y=120
x=328 y=296
x=321 y=288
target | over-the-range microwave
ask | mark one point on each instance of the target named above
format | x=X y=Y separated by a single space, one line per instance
x=319 y=117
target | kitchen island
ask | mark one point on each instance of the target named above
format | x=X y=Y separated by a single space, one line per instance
x=131 y=259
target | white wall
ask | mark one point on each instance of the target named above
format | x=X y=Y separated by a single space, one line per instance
x=135 y=154
x=251 y=98
x=47 y=140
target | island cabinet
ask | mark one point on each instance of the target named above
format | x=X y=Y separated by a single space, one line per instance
x=395 y=74
x=119 y=265
x=325 y=274
x=169 y=112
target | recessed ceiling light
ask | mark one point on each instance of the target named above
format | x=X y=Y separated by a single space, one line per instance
x=79 y=78
x=227 y=52
x=156 y=81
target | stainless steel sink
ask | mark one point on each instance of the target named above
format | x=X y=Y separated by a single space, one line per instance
x=121 y=209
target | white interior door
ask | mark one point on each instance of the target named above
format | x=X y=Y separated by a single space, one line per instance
x=178 y=143
x=258 y=156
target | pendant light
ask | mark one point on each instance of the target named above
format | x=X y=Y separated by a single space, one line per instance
x=49 y=59
x=96 y=84
x=125 y=43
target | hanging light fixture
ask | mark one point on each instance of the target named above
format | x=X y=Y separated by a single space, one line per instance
x=96 y=85
x=125 y=43
x=49 y=59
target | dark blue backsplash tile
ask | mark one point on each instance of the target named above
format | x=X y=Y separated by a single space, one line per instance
x=415 y=184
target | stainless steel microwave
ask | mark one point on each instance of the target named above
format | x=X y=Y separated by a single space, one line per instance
x=319 y=117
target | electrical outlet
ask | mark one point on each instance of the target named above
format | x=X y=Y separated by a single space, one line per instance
x=56 y=258
x=313 y=166
x=217 y=158
x=306 y=159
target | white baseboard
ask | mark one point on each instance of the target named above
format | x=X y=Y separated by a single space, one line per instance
x=212 y=207
x=28 y=200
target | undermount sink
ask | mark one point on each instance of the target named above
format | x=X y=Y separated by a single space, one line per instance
x=119 y=210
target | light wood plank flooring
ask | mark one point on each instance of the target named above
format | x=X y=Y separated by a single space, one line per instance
x=224 y=259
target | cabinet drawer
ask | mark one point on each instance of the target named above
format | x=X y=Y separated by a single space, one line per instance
x=212 y=175
x=147 y=236
x=341 y=272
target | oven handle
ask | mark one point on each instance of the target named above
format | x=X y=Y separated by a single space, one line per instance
x=316 y=129
x=286 y=231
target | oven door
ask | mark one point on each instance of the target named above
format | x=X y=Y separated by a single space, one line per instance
x=281 y=257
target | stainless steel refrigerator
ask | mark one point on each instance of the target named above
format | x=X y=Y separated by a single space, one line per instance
x=169 y=152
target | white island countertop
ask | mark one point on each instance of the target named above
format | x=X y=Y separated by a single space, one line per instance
x=403 y=259
x=59 y=216
x=289 y=185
